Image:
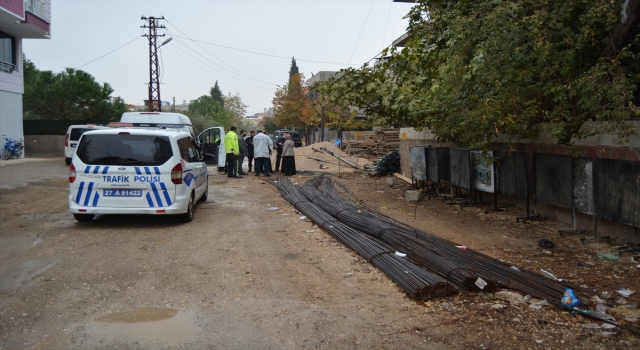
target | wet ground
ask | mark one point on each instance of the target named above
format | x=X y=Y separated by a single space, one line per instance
x=246 y=275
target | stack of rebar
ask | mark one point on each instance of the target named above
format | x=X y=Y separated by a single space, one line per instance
x=416 y=281
x=443 y=257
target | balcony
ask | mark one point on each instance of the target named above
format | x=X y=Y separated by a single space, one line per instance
x=39 y=8
x=7 y=67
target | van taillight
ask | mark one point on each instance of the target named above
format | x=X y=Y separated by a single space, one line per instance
x=72 y=173
x=66 y=141
x=176 y=174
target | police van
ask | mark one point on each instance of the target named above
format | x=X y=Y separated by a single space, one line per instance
x=137 y=169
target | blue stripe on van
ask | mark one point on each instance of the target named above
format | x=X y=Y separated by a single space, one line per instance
x=79 y=195
x=149 y=200
x=138 y=171
x=105 y=170
x=96 y=170
x=95 y=199
x=156 y=194
x=87 y=169
x=89 y=190
x=146 y=170
x=157 y=170
x=167 y=197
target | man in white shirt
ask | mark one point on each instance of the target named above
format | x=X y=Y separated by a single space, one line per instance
x=261 y=150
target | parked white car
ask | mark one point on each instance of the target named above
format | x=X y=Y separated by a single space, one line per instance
x=73 y=136
x=132 y=170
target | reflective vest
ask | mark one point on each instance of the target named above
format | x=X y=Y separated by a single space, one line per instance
x=231 y=142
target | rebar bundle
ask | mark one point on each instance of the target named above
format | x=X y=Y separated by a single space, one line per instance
x=443 y=257
x=416 y=281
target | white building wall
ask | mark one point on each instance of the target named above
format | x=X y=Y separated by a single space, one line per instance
x=11 y=91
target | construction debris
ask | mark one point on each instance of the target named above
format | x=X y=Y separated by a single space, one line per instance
x=382 y=142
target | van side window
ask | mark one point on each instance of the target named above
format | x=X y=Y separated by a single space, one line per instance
x=188 y=150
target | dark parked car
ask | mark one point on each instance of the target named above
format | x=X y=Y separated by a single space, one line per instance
x=297 y=139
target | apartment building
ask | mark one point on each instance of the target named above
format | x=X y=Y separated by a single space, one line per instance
x=19 y=19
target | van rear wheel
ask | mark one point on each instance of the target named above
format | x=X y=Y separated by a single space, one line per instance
x=188 y=216
x=84 y=217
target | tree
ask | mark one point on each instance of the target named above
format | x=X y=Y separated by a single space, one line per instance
x=216 y=94
x=477 y=68
x=235 y=109
x=268 y=124
x=294 y=68
x=68 y=95
x=292 y=105
x=208 y=111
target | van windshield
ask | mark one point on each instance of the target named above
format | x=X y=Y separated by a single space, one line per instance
x=77 y=132
x=124 y=149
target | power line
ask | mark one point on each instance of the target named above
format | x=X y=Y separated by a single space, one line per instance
x=217 y=67
x=241 y=73
x=261 y=54
x=210 y=67
x=387 y=25
x=362 y=30
x=108 y=53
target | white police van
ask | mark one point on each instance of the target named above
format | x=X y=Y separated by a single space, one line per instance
x=126 y=169
x=73 y=136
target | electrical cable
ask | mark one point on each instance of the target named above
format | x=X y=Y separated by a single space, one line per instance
x=260 y=53
x=386 y=26
x=361 y=30
x=214 y=56
x=110 y=52
x=215 y=69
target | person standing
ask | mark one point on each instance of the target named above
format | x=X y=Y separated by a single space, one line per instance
x=243 y=152
x=261 y=144
x=279 y=144
x=249 y=141
x=288 y=156
x=232 y=149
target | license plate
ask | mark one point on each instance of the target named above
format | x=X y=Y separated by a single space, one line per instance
x=74 y=145
x=122 y=193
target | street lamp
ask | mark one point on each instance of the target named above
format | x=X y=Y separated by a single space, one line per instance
x=166 y=41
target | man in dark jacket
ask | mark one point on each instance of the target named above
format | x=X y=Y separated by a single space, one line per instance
x=243 y=152
x=249 y=141
x=279 y=142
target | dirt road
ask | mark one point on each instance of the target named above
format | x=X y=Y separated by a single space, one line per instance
x=239 y=276
x=244 y=275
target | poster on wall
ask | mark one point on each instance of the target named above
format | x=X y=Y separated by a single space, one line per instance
x=483 y=171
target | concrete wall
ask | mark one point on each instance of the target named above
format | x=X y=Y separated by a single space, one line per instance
x=600 y=146
x=44 y=145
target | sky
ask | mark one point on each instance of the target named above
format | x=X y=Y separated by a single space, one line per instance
x=233 y=42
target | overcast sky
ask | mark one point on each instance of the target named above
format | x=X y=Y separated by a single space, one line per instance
x=322 y=30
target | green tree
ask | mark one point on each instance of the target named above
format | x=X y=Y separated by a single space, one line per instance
x=477 y=68
x=216 y=94
x=68 y=95
x=294 y=68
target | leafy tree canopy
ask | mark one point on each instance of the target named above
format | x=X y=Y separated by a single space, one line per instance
x=291 y=104
x=207 y=111
x=477 y=68
x=68 y=95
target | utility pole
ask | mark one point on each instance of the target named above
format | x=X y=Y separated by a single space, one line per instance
x=154 y=70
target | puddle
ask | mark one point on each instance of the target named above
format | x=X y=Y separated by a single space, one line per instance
x=148 y=326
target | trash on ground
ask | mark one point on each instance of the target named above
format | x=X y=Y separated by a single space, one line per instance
x=545 y=243
x=515 y=268
x=273 y=208
x=570 y=299
x=462 y=247
x=607 y=256
x=549 y=275
x=310 y=231
x=513 y=298
x=401 y=254
x=625 y=292
x=303 y=217
x=591 y=326
x=539 y=305
x=480 y=283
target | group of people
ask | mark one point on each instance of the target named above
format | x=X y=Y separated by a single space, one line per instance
x=258 y=147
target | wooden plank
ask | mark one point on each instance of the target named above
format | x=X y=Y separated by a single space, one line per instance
x=404 y=178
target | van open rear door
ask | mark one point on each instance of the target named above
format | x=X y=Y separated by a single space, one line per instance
x=212 y=146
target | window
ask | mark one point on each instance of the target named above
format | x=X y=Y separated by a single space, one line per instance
x=124 y=150
x=188 y=150
x=7 y=52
